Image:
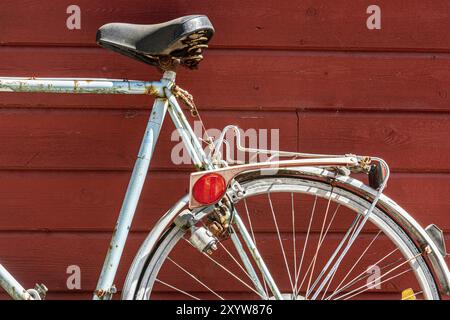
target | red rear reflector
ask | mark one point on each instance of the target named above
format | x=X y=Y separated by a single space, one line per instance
x=209 y=188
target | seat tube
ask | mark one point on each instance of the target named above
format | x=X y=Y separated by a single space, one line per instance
x=105 y=283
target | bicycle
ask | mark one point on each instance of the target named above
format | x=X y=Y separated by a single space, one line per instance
x=217 y=241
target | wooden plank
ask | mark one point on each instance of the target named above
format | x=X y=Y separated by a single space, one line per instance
x=42 y=200
x=339 y=25
x=249 y=79
x=44 y=257
x=423 y=196
x=109 y=140
x=408 y=142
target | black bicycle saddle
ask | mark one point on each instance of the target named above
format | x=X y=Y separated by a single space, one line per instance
x=182 y=39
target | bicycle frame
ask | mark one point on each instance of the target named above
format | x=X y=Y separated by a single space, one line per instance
x=165 y=102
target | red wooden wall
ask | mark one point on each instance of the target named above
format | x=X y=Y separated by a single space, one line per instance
x=310 y=68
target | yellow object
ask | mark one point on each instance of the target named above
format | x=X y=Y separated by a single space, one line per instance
x=408 y=294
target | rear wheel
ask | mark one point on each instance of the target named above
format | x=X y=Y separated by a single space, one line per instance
x=300 y=228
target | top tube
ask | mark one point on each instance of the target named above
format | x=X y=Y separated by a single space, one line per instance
x=78 y=85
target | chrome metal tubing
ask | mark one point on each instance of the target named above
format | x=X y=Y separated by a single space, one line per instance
x=76 y=85
x=12 y=287
x=105 y=282
x=256 y=256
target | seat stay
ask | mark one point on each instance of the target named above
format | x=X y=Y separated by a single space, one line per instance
x=191 y=142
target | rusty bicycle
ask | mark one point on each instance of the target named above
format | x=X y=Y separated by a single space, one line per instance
x=297 y=226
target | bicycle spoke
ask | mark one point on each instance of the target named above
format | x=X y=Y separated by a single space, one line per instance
x=310 y=264
x=382 y=276
x=412 y=295
x=280 y=241
x=177 y=289
x=319 y=243
x=354 y=265
x=351 y=228
x=304 y=246
x=254 y=241
x=359 y=259
x=231 y=256
x=323 y=239
x=356 y=279
x=249 y=220
x=371 y=287
x=195 y=278
x=257 y=256
x=234 y=259
x=349 y=243
x=350 y=232
x=248 y=265
x=328 y=286
x=229 y=272
x=294 y=242
x=351 y=269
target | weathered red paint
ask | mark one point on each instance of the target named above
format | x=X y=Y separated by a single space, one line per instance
x=320 y=76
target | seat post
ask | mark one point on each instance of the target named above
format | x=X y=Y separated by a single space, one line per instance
x=169 y=75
